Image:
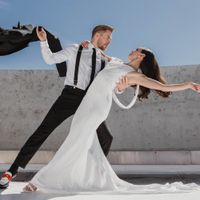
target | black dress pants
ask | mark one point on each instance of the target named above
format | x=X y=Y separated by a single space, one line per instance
x=65 y=106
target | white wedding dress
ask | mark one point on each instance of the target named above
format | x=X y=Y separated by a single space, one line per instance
x=79 y=166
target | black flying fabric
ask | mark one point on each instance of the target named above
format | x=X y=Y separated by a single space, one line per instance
x=17 y=38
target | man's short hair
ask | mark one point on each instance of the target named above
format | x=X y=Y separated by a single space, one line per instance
x=100 y=28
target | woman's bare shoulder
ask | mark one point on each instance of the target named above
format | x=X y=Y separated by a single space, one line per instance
x=135 y=74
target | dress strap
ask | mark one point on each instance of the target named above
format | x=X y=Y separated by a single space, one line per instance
x=131 y=103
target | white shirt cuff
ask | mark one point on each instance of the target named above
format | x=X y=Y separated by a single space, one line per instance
x=44 y=43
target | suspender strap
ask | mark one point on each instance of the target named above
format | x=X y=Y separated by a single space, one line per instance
x=93 y=65
x=103 y=63
x=77 y=64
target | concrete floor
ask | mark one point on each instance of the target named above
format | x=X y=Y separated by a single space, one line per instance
x=14 y=192
x=191 y=175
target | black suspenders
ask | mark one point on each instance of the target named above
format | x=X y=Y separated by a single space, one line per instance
x=103 y=63
x=93 y=65
x=77 y=64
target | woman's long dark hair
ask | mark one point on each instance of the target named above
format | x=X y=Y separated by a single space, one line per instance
x=151 y=69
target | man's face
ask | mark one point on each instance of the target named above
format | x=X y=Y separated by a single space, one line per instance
x=104 y=39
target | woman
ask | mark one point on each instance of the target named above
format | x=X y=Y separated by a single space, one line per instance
x=80 y=157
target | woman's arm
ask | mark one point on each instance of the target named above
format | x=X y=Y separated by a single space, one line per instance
x=135 y=78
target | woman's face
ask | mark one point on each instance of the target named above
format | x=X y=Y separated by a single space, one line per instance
x=135 y=54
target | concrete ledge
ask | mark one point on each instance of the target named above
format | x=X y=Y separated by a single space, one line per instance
x=41 y=157
x=156 y=170
x=121 y=157
x=125 y=170
x=154 y=157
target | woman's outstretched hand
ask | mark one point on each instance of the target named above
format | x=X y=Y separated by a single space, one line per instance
x=41 y=34
x=122 y=84
x=195 y=87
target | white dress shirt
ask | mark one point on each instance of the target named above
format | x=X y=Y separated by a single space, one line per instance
x=69 y=55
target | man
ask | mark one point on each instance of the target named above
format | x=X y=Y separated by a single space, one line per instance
x=83 y=66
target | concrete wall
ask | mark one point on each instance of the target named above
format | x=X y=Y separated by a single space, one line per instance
x=155 y=124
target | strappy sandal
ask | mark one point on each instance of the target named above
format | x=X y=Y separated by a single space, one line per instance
x=30 y=188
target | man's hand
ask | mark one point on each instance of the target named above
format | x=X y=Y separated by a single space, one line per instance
x=85 y=44
x=41 y=34
x=122 y=84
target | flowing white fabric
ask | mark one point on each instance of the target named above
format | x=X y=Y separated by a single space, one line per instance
x=79 y=166
x=131 y=103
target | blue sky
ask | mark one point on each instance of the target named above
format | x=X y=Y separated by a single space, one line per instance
x=169 y=27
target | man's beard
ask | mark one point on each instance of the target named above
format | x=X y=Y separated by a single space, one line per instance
x=102 y=47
